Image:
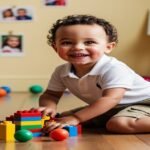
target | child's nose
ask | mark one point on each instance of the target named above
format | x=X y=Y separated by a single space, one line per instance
x=79 y=46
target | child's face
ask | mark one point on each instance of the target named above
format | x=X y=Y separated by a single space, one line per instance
x=21 y=12
x=8 y=13
x=82 y=44
x=13 y=42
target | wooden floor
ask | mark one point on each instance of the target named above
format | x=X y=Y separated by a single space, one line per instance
x=89 y=140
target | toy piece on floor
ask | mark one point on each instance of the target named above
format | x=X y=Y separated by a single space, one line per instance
x=23 y=135
x=73 y=131
x=45 y=119
x=29 y=120
x=2 y=92
x=7 y=89
x=36 y=89
x=79 y=129
x=10 y=118
x=33 y=121
x=59 y=134
x=7 y=131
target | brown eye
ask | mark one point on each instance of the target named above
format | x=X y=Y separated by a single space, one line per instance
x=66 y=43
x=90 y=42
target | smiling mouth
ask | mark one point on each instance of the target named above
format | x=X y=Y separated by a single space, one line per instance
x=78 y=55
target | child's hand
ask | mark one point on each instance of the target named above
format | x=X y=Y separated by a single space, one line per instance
x=60 y=123
x=46 y=111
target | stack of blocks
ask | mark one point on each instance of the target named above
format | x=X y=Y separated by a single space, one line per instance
x=29 y=120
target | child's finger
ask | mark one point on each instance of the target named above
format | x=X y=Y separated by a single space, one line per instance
x=63 y=125
x=41 y=109
x=50 y=126
x=47 y=112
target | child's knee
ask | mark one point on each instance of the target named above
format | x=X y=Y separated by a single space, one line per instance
x=121 y=124
x=112 y=123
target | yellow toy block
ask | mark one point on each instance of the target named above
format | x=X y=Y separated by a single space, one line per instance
x=7 y=131
x=24 y=123
x=45 y=118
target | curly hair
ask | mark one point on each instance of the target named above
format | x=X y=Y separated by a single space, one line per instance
x=110 y=30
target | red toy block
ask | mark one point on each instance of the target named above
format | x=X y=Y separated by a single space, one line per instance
x=27 y=113
x=79 y=129
x=10 y=118
x=36 y=130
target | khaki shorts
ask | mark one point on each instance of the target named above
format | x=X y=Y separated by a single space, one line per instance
x=139 y=110
x=136 y=110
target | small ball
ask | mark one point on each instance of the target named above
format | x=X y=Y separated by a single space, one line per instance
x=6 y=88
x=2 y=92
x=23 y=135
x=36 y=89
x=59 y=134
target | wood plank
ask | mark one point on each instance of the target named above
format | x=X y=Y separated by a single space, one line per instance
x=126 y=142
x=144 y=137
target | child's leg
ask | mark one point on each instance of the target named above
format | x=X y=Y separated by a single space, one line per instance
x=129 y=125
x=133 y=119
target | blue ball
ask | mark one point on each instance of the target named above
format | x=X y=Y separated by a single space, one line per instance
x=6 y=88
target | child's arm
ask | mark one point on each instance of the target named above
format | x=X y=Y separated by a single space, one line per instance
x=48 y=102
x=109 y=99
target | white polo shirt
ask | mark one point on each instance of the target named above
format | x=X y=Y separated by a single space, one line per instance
x=107 y=73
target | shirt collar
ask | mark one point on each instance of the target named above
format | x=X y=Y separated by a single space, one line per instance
x=99 y=65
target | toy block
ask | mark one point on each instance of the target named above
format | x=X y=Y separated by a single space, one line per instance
x=44 y=119
x=37 y=134
x=36 y=130
x=72 y=130
x=10 y=118
x=79 y=129
x=28 y=127
x=27 y=118
x=23 y=123
x=28 y=113
x=7 y=131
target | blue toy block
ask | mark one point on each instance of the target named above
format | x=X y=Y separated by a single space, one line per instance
x=28 y=118
x=73 y=131
x=37 y=134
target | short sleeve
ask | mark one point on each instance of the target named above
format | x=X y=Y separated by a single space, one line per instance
x=56 y=83
x=118 y=76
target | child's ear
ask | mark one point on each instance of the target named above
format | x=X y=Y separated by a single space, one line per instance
x=110 y=47
x=54 y=46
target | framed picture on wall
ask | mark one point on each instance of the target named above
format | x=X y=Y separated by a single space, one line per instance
x=11 y=45
x=55 y=2
x=7 y=14
x=11 y=14
x=24 y=13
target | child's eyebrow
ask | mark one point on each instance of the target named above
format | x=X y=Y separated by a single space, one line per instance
x=63 y=39
x=89 y=39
